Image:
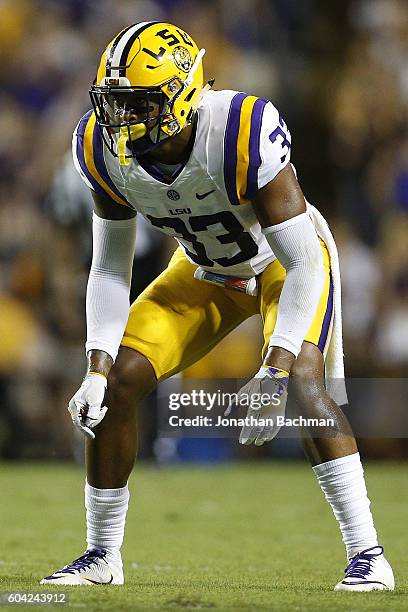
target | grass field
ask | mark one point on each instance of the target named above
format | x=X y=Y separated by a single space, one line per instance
x=238 y=537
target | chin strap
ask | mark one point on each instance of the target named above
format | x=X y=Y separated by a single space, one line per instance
x=121 y=147
x=134 y=132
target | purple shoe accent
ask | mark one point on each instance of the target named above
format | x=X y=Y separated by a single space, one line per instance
x=82 y=562
x=360 y=565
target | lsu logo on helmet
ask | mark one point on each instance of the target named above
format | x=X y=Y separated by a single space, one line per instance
x=182 y=58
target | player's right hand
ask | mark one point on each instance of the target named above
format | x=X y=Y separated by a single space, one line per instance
x=270 y=384
x=86 y=405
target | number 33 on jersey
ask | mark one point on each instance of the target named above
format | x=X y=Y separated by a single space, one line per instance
x=241 y=143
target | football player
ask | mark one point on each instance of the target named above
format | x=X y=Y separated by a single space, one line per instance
x=212 y=169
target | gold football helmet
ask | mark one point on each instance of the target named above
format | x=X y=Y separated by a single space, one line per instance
x=148 y=86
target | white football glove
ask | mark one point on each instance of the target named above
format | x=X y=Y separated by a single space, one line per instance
x=86 y=405
x=271 y=383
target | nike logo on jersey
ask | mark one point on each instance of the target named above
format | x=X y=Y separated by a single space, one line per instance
x=204 y=195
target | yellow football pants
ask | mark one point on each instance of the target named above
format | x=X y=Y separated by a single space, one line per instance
x=178 y=319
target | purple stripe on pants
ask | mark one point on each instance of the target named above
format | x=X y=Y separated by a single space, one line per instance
x=327 y=318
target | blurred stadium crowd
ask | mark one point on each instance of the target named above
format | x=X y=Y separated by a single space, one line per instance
x=338 y=71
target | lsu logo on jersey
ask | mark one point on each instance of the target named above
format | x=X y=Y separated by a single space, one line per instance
x=180 y=211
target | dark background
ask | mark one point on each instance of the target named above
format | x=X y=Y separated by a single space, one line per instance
x=337 y=71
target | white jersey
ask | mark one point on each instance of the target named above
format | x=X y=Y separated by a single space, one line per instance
x=241 y=143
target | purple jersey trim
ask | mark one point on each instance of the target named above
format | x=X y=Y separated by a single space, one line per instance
x=80 y=153
x=155 y=171
x=230 y=147
x=255 y=159
x=97 y=144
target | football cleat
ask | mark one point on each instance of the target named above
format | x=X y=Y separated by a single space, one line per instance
x=368 y=570
x=95 y=566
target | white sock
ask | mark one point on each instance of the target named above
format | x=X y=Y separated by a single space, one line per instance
x=342 y=482
x=105 y=517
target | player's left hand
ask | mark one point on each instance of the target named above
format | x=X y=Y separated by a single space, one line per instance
x=269 y=383
x=86 y=407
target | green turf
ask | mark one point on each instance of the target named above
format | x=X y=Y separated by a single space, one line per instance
x=236 y=537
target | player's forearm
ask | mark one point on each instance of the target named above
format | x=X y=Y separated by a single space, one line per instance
x=107 y=311
x=297 y=247
x=107 y=297
x=99 y=362
x=279 y=357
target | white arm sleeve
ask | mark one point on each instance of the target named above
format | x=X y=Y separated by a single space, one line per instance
x=296 y=245
x=107 y=295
